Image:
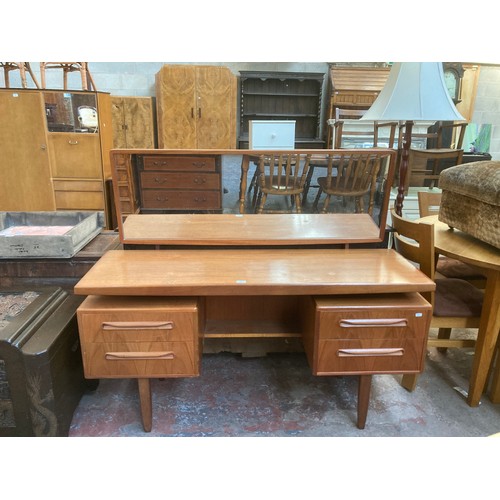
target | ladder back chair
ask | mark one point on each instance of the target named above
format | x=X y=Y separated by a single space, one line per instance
x=284 y=175
x=456 y=303
x=351 y=174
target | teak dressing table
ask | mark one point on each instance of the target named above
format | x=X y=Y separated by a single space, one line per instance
x=207 y=276
x=357 y=311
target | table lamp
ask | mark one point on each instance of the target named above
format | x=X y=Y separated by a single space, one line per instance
x=413 y=92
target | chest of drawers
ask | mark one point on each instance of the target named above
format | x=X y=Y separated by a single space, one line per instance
x=180 y=183
x=356 y=335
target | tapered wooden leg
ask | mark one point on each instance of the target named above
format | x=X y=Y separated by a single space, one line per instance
x=409 y=381
x=365 y=384
x=146 y=403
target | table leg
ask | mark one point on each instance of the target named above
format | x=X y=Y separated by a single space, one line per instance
x=486 y=338
x=364 y=386
x=245 y=162
x=146 y=403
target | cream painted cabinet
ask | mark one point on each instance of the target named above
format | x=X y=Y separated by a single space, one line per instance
x=55 y=150
x=196 y=107
x=133 y=121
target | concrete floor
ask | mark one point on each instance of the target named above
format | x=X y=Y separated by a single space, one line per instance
x=276 y=396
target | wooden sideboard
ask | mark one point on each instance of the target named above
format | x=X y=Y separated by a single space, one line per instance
x=148 y=312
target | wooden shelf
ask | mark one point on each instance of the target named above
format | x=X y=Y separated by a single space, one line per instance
x=282 y=96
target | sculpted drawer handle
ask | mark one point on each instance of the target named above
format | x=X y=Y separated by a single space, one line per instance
x=73 y=143
x=160 y=180
x=113 y=356
x=134 y=325
x=198 y=163
x=353 y=353
x=364 y=323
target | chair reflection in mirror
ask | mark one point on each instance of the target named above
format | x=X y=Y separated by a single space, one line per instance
x=284 y=175
x=353 y=176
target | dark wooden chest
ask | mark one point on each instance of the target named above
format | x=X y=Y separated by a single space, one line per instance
x=41 y=373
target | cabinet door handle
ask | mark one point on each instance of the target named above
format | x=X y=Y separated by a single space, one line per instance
x=153 y=355
x=73 y=143
x=133 y=325
x=356 y=353
x=372 y=322
x=199 y=112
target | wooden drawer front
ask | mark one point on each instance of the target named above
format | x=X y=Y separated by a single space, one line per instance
x=180 y=180
x=140 y=359
x=193 y=200
x=368 y=324
x=135 y=326
x=337 y=357
x=192 y=164
x=79 y=200
x=361 y=99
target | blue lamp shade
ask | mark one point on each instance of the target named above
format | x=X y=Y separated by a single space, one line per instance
x=414 y=91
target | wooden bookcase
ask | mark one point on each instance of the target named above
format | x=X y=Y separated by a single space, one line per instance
x=282 y=96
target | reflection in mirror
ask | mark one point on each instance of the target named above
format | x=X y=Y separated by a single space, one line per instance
x=179 y=192
x=71 y=112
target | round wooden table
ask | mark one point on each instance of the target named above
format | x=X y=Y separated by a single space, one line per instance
x=464 y=247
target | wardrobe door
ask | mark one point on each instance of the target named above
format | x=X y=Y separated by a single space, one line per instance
x=215 y=108
x=25 y=164
x=176 y=105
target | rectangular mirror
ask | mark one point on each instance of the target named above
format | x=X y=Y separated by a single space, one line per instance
x=210 y=197
x=71 y=112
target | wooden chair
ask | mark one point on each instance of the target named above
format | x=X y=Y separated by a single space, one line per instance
x=456 y=303
x=69 y=67
x=24 y=68
x=425 y=165
x=428 y=204
x=351 y=175
x=373 y=134
x=284 y=175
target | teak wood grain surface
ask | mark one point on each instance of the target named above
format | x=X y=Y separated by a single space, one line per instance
x=252 y=272
x=249 y=229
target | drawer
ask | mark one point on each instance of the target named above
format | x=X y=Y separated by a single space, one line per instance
x=181 y=200
x=140 y=360
x=191 y=163
x=363 y=356
x=137 y=319
x=180 y=180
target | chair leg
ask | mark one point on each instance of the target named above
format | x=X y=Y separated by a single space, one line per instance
x=316 y=200
x=308 y=183
x=324 y=210
x=409 y=381
x=443 y=333
x=298 y=203
x=262 y=202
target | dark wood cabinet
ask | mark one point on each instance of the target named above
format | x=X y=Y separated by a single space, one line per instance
x=282 y=96
x=180 y=183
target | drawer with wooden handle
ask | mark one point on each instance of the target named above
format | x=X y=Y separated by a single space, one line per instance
x=181 y=199
x=140 y=359
x=185 y=163
x=351 y=357
x=180 y=180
